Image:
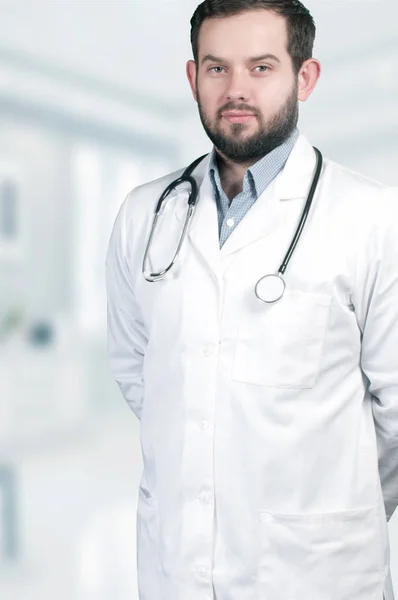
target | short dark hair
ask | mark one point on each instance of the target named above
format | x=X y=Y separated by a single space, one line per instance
x=300 y=24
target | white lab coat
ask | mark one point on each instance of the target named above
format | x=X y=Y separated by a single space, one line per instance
x=269 y=433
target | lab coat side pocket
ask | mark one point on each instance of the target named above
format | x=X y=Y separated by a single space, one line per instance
x=328 y=556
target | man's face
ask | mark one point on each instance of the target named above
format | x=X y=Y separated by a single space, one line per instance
x=245 y=86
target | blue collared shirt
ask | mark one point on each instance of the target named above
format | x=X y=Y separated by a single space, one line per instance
x=256 y=180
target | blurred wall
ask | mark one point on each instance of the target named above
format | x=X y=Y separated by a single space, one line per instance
x=94 y=101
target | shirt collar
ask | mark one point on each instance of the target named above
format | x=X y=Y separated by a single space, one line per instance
x=258 y=176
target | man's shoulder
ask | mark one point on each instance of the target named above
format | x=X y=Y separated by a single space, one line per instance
x=148 y=193
x=350 y=179
x=160 y=183
x=359 y=195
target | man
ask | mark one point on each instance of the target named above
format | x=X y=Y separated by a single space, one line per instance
x=269 y=431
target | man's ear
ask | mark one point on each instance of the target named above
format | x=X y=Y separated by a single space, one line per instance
x=191 y=74
x=308 y=77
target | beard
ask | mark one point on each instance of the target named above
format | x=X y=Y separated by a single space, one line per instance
x=269 y=136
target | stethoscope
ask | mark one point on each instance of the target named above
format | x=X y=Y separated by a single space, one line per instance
x=270 y=288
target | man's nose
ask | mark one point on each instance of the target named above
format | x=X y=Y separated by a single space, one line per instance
x=238 y=88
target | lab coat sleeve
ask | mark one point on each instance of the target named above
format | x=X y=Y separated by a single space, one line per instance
x=126 y=337
x=376 y=304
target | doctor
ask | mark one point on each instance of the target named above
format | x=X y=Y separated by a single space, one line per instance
x=269 y=431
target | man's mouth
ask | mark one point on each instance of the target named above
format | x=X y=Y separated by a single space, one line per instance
x=238 y=117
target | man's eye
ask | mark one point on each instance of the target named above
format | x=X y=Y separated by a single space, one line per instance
x=213 y=69
x=263 y=68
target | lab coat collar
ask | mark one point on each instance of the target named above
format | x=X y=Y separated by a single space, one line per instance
x=292 y=183
x=266 y=214
x=203 y=232
x=295 y=179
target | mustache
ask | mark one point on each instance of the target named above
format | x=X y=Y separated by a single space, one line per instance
x=231 y=106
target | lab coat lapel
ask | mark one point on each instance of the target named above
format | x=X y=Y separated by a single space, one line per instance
x=203 y=232
x=266 y=213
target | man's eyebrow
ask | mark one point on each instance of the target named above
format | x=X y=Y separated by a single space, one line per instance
x=264 y=57
x=212 y=58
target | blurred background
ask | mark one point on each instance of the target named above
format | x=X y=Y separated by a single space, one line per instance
x=94 y=101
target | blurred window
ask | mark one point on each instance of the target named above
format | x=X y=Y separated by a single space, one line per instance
x=8 y=210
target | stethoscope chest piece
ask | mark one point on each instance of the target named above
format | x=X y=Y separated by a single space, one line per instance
x=270 y=289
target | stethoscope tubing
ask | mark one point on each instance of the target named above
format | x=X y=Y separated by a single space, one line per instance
x=306 y=211
x=186 y=177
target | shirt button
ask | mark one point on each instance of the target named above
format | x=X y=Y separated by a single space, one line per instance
x=204 y=425
x=230 y=222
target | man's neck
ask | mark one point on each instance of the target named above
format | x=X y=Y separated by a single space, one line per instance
x=232 y=174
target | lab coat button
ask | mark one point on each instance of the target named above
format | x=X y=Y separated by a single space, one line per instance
x=202 y=572
x=204 y=425
x=205 y=497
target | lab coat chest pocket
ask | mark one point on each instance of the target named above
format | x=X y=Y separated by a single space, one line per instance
x=280 y=345
x=328 y=556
